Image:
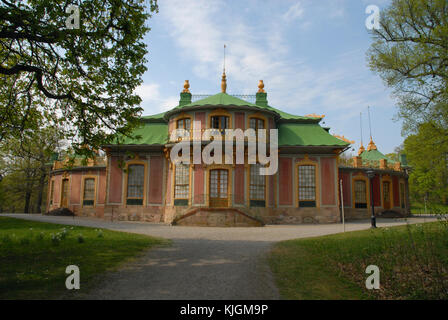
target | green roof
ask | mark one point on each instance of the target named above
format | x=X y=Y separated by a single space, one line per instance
x=158 y=116
x=150 y=134
x=374 y=155
x=302 y=134
x=293 y=130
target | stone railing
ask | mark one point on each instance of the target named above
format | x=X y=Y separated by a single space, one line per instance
x=383 y=164
x=65 y=164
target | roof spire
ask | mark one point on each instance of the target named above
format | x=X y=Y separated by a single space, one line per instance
x=371 y=145
x=361 y=148
x=224 y=78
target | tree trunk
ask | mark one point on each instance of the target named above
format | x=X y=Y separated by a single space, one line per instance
x=27 y=201
x=40 y=193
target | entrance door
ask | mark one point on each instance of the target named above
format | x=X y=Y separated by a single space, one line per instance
x=218 y=188
x=64 y=198
x=386 y=195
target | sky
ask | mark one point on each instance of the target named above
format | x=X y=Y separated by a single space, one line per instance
x=310 y=54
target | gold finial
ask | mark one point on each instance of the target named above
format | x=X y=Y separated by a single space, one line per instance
x=371 y=145
x=224 y=83
x=186 y=87
x=224 y=78
x=261 y=87
x=361 y=149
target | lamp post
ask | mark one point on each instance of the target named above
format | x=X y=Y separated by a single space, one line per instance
x=371 y=175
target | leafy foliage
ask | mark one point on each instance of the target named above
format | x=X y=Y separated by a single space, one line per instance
x=410 y=53
x=427 y=152
x=82 y=80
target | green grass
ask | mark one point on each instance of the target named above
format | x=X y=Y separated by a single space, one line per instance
x=413 y=263
x=418 y=208
x=34 y=255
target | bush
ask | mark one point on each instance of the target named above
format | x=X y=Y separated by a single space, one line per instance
x=80 y=238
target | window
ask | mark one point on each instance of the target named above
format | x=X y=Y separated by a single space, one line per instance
x=257 y=187
x=51 y=192
x=89 y=192
x=255 y=123
x=402 y=196
x=184 y=124
x=360 y=194
x=220 y=122
x=307 y=186
x=181 y=185
x=136 y=174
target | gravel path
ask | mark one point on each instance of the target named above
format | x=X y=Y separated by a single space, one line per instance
x=202 y=263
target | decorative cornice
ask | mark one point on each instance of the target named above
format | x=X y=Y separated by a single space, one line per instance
x=343 y=138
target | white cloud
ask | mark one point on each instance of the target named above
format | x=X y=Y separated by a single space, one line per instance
x=152 y=101
x=294 y=12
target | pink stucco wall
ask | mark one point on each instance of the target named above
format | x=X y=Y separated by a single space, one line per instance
x=285 y=181
x=396 y=191
x=102 y=187
x=271 y=180
x=168 y=184
x=155 y=180
x=200 y=116
x=115 y=181
x=239 y=120
x=328 y=181
x=75 y=188
x=57 y=189
x=239 y=184
x=198 y=184
x=346 y=190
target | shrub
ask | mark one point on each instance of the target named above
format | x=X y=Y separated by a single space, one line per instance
x=25 y=241
x=80 y=238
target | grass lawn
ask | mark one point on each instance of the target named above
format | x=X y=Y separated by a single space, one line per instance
x=413 y=263
x=418 y=208
x=34 y=255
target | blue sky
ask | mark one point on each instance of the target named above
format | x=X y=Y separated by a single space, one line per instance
x=310 y=54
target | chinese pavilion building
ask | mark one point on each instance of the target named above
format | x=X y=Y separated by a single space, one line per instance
x=138 y=181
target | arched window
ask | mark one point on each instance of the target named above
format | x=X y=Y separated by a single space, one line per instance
x=220 y=122
x=89 y=192
x=257 y=187
x=307 y=186
x=360 y=194
x=256 y=123
x=184 y=123
x=136 y=173
x=181 y=184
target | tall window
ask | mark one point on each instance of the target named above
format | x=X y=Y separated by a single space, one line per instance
x=89 y=192
x=255 y=123
x=181 y=185
x=184 y=124
x=257 y=187
x=360 y=194
x=51 y=192
x=221 y=123
x=307 y=186
x=136 y=174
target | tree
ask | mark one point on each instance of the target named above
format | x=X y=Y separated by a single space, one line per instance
x=428 y=156
x=24 y=167
x=410 y=53
x=81 y=78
